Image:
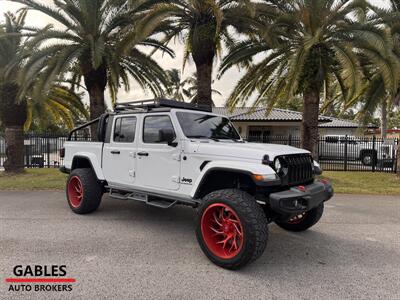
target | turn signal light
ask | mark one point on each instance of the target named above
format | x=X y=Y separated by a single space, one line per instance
x=258 y=177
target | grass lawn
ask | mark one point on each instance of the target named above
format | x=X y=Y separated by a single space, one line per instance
x=343 y=182
x=34 y=179
x=364 y=182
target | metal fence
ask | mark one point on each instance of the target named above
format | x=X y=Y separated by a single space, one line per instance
x=346 y=153
x=41 y=150
x=335 y=153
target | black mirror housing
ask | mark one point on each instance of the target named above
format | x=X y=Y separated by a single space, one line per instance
x=167 y=136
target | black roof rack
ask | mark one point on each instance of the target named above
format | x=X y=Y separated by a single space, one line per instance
x=158 y=103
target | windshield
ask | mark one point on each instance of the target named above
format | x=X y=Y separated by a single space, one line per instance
x=195 y=125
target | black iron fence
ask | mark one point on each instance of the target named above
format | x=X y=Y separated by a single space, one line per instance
x=41 y=150
x=335 y=153
x=346 y=153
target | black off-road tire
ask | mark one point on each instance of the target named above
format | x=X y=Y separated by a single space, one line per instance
x=369 y=158
x=92 y=191
x=253 y=224
x=310 y=219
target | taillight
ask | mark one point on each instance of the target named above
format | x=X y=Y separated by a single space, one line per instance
x=62 y=152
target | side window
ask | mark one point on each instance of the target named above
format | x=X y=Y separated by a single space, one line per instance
x=124 y=130
x=158 y=130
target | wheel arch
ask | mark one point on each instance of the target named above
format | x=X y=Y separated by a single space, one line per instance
x=218 y=178
x=86 y=161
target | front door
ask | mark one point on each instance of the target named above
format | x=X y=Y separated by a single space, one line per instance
x=158 y=164
x=119 y=154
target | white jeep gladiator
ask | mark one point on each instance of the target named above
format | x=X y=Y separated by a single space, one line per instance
x=164 y=152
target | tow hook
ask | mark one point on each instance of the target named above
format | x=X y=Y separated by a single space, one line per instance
x=301 y=188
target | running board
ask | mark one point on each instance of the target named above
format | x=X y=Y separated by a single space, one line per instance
x=142 y=197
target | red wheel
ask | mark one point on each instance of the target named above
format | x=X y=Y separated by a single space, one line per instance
x=303 y=221
x=83 y=191
x=222 y=231
x=75 y=191
x=231 y=228
x=297 y=218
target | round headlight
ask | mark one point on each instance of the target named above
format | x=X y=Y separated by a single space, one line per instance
x=278 y=165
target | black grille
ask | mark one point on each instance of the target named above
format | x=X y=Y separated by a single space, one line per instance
x=299 y=168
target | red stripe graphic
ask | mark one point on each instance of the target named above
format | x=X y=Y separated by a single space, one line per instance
x=32 y=280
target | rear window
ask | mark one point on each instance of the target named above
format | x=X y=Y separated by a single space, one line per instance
x=124 y=130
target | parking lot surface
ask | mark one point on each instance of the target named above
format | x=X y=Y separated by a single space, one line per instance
x=127 y=250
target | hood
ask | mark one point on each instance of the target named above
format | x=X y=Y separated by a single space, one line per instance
x=246 y=150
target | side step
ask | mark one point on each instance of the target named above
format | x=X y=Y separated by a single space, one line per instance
x=152 y=201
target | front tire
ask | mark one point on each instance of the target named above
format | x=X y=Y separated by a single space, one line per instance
x=303 y=221
x=84 y=192
x=231 y=228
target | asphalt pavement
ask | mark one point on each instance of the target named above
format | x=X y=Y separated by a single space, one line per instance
x=127 y=250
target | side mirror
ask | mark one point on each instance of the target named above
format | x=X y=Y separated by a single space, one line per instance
x=167 y=136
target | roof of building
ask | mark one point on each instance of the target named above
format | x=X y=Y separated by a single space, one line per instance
x=246 y=114
x=261 y=114
x=340 y=123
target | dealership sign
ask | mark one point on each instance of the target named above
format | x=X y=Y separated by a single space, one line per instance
x=40 y=278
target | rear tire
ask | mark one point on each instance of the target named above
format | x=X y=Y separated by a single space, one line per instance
x=309 y=219
x=235 y=217
x=83 y=190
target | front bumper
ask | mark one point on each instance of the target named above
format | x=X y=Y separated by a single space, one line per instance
x=301 y=198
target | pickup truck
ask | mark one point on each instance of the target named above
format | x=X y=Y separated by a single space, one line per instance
x=336 y=147
x=164 y=152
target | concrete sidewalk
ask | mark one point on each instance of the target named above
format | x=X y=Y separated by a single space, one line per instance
x=127 y=250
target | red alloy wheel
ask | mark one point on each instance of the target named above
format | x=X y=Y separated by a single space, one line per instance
x=297 y=219
x=75 y=191
x=222 y=231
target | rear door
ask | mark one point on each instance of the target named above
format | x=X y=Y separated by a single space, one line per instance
x=119 y=154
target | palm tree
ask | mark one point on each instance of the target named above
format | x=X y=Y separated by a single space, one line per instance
x=186 y=89
x=383 y=86
x=191 y=81
x=303 y=45
x=14 y=115
x=99 y=42
x=204 y=26
x=62 y=107
x=176 y=87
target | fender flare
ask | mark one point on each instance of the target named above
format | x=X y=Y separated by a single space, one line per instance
x=247 y=168
x=92 y=161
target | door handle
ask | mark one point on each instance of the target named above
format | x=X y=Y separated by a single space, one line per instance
x=143 y=154
x=115 y=152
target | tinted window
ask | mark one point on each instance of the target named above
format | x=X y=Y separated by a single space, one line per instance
x=124 y=131
x=196 y=125
x=152 y=127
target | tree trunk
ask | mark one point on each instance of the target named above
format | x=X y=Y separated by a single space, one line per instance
x=204 y=81
x=384 y=114
x=95 y=82
x=14 y=138
x=309 y=125
x=13 y=116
